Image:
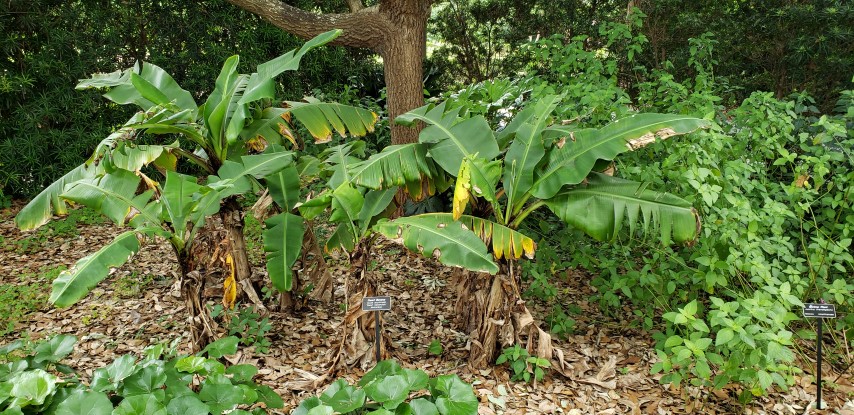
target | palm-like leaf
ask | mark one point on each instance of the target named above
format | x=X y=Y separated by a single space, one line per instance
x=283 y=244
x=572 y=159
x=72 y=284
x=601 y=206
x=452 y=137
x=441 y=237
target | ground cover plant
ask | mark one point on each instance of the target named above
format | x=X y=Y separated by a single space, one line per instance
x=159 y=382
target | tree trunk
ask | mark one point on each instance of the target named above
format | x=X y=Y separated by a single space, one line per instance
x=192 y=282
x=231 y=215
x=358 y=331
x=490 y=309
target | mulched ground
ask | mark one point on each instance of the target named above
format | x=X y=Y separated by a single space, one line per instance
x=610 y=359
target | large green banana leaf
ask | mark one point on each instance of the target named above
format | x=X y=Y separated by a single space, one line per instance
x=271 y=125
x=571 y=160
x=145 y=85
x=133 y=158
x=440 y=237
x=261 y=83
x=321 y=118
x=376 y=202
x=283 y=244
x=504 y=241
x=347 y=203
x=452 y=137
x=284 y=187
x=396 y=165
x=73 y=284
x=114 y=196
x=601 y=206
x=341 y=159
x=40 y=210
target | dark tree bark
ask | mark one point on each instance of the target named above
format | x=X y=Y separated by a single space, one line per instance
x=395 y=29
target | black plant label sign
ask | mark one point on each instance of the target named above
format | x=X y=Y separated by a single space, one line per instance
x=376 y=303
x=819 y=310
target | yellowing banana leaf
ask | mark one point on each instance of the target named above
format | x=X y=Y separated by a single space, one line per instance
x=440 y=237
x=601 y=207
x=504 y=242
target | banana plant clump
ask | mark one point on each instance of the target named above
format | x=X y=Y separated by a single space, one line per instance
x=498 y=179
x=236 y=139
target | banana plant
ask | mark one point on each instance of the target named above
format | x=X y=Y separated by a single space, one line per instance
x=236 y=138
x=501 y=178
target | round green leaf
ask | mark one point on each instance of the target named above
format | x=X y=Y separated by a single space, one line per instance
x=140 y=405
x=85 y=403
x=187 y=405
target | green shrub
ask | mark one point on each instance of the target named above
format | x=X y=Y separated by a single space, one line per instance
x=524 y=366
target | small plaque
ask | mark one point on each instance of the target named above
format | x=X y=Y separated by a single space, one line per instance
x=818 y=310
x=376 y=303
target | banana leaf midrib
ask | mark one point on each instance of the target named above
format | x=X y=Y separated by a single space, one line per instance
x=594 y=192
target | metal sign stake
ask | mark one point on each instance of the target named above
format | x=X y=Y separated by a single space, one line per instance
x=377 y=304
x=818 y=366
x=819 y=311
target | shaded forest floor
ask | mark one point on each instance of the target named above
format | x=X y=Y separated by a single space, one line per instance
x=139 y=306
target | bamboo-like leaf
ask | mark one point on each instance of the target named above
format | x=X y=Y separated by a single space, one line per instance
x=40 y=210
x=395 y=165
x=571 y=160
x=114 y=196
x=283 y=244
x=601 y=206
x=451 y=137
x=449 y=241
x=261 y=83
x=321 y=118
x=73 y=284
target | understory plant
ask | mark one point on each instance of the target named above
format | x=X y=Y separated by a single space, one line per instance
x=158 y=382
x=391 y=389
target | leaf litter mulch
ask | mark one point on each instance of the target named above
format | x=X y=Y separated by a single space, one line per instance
x=139 y=306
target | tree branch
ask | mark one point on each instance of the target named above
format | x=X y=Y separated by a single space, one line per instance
x=365 y=29
x=355 y=5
